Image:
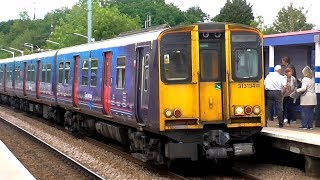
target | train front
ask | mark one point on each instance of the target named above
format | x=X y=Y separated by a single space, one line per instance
x=211 y=90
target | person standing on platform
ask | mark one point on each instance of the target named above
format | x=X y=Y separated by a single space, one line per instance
x=286 y=62
x=275 y=84
x=308 y=98
x=288 y=105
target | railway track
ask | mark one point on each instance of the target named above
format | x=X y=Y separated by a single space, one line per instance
x=68 y=160
x=163 y=172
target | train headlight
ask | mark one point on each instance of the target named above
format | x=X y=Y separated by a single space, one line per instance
x=256 y=110
x=239 y=111
x=168 y=113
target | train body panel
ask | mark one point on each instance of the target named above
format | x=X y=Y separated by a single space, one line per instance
x=192 y=91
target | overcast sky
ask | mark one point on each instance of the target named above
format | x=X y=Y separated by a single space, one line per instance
x=10 y=9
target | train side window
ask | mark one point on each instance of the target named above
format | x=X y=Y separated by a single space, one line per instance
x=67 y=73
x=48 y=73
x=9 y=74
x=146 y=72
x=17 y=74
x=43 y=73
x=61 y=72
x=94 y=72
x=1 y=75
x=85 y=72
x=33 y=72
x=121 y=72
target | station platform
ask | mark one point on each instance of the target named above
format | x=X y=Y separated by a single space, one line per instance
x=10 y=167
x=299 y=141
x=292 y=132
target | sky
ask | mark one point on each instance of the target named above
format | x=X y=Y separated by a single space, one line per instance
x=266 y=8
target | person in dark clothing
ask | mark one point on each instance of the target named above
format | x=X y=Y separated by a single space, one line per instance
x=286 y=62
x=288 y=105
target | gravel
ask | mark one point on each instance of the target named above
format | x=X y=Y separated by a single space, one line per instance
x=97 y=159
x=112 y=166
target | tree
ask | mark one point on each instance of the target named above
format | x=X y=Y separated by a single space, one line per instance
x=291 y=19
x=259 y=24
x=195 y=14
x=161 y=13
x=236 y=11
x=107 y=23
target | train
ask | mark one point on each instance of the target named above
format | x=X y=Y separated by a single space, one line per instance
x=192 y=92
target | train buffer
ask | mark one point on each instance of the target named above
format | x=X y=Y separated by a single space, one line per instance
x=10 y=166
x=293 y=139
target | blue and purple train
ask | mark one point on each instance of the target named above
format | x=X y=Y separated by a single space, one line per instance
x=187 y=92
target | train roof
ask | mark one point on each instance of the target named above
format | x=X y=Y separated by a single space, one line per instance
x=121 y=40
x=6 y=60
x=36 y=55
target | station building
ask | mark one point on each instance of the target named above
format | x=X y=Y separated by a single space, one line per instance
x=303 y=48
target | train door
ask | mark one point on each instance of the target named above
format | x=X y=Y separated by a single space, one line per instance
x=75 y=86
x=25 y=78
x=143 y=58
x=106 y=89
x=210 y=81
x=38 y=79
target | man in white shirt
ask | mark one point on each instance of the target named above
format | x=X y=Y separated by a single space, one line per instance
x=274 y=85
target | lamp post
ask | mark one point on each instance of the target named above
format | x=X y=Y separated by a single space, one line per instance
x=90 y=22
x=92 y=39
x=29 y=45
x=8 y=51
x=53 y=42
x=22 y=53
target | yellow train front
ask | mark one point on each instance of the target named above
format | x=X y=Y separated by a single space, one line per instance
x=211 y=93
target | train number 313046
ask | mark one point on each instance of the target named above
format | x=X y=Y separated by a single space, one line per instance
x=248 y=85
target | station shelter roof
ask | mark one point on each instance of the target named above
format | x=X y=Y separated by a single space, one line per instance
x=291 y=38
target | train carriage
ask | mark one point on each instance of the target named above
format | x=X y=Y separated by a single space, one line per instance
x=193 y=91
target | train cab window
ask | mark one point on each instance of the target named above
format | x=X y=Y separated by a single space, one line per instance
x=94 y=72
x=176 y=58
x=146 y=72
x=48 y=73
x=43 y=73
x=247 y=56
x=85 y=72
x=121 y=72
x=67 y=73
x=61 y=64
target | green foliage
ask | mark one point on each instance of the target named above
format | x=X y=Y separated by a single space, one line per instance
x=291 y=19
x=110 y=18
x=195 y=14
x=259 y=24
x=235 y=11
x=161 y=13
x=106 y=22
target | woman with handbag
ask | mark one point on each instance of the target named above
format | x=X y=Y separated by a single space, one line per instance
x=288 y=104
x=308 y=98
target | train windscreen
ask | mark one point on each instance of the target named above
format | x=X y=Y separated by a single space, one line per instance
x=246 y=56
